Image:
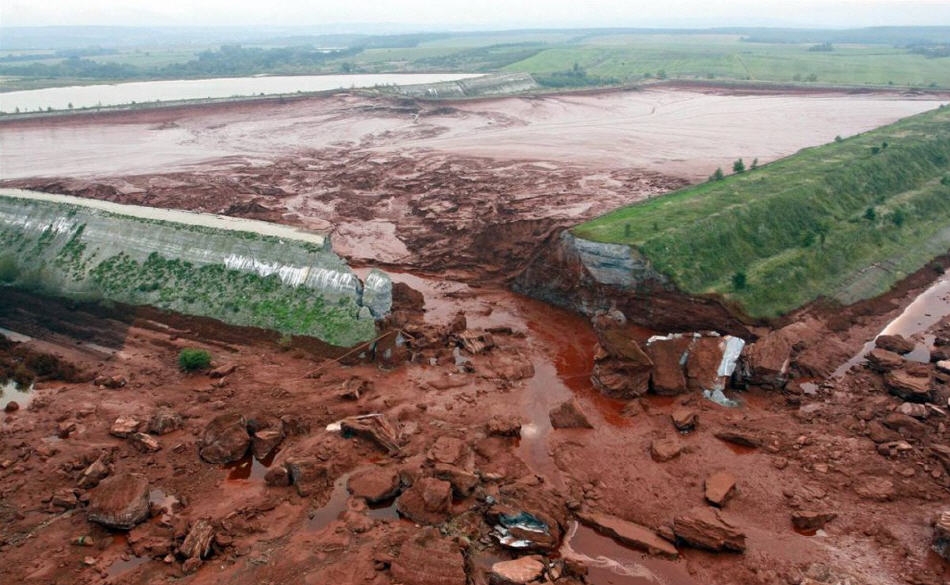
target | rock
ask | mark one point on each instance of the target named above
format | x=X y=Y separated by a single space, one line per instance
x=942 y=453
x=511 y=367
x=811 y=520
x=879 y=489
x=463 y=482
x=197 y=544
x=911 y=409
x=739 y=437
x=895 y=343
x=428 y=558
x=702 y=365
x=64 y=499
x=944 y=366
x=621 y=369
x=910 y=387
x=905 y=425
x=882 y=360
x=451 y=450
x=568 y=415
x=277 y=476
x=96 y=472
x=685 y=419
x=120 y=501
x=144 y=443
x=767 y=360
x=428 y=501
x=881 y=434
x=668 y=356
x=225 y=439
x=941 y=537
x=113 y=382
x=124 y=426
x=719 y=487
x=65 y=428
x=267 y=433
x=222 y=371
x=504 y=426
x=517 y=572
x=378 y=429
x=704 y=527
x=308 y=474
x=375 y=484
x=151 y=540
x=164 y=421
x=11 y=406
x=628 y=533
x=665 y=449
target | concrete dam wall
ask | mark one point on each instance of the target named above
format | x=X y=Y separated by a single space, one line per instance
x=241 y=272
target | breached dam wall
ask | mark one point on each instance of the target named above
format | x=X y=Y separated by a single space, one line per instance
x=241 y=272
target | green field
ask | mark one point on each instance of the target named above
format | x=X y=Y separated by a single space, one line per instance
x=912 y=57
x=845 y=220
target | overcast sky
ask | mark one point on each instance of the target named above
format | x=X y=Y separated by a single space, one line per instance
x=429 y=14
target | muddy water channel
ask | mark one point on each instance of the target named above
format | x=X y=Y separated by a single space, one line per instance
x=925 y=311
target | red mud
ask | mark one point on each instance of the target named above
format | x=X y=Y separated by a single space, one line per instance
x=455 y=224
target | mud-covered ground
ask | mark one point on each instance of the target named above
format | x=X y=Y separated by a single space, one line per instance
x=451 y=224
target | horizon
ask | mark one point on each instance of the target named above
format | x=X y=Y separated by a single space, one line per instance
x=486 y=15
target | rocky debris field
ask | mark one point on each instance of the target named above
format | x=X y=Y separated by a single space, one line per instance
x=476 y=448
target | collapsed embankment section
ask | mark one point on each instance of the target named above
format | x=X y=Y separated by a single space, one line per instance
x=843 y=221
x=241 y=272
x=485 y=85
x=591 y=277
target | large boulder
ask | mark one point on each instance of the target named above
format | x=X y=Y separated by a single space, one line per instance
x=895 y=343
x=628 y=533
x=668 y=355
x=120 y=501
x=517 y=572
x=704 y=527
x=375 y=484
x=428 y=501
x=911 y=385
x=428 y=558
x=225 y=439
x=766 y=362
x=621 y=368
x=882 y=360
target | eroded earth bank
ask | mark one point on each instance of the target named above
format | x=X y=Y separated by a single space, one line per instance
x=471 y=434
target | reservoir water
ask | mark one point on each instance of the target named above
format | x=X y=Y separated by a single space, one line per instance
x=92 y=96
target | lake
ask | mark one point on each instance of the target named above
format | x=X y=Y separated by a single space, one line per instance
x=91 y=96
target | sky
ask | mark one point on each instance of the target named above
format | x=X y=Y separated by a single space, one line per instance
x=469 y=14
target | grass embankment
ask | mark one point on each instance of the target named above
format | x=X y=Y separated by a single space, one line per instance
x=845 y=220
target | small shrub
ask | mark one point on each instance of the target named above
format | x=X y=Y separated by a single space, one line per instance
x=739 y=281
x=755 y=164
x=875 y=149
x=738 y=166
x=870 y=214
x=838 y=138
x=898 y=217
x=945 y=180
x=718 y=175
x=192 y=359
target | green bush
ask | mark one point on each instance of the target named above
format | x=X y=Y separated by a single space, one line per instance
x=192 y=359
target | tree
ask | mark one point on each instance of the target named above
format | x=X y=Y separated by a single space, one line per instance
x=738 y=166
x=718 y=175
x=870 y=214
x=755 y=164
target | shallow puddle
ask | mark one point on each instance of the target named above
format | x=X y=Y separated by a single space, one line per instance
x=322 y=517
x=121 y=566
x=610 y=563
x=249 y=468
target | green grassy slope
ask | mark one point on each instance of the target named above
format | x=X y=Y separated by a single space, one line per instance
x=843 y=220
